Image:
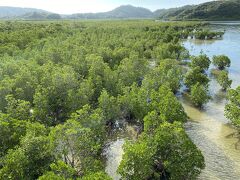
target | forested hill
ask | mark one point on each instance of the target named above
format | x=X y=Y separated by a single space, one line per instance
x=215 y=10
x=122 y=12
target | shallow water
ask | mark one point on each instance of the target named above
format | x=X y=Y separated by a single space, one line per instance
x=114 y=149
x=114 y=156
x=209 y=129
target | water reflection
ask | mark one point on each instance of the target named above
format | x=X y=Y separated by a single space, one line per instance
x=202 y=42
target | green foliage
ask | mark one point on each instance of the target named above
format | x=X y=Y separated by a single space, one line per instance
x=175 y=152
x=51 y=175
x=64 y=84
x=167 y=106
x=224 y=80
x=232 y=108
x=62 y=169
x=31 y=158
x=93 y=119
x=213 y=10
x=53 y=98
x=201 y=61
x=98 y=74
x=169 y=153
x=101 y=175
x=11 y=130
x=134 y=103
x=109 y=106
x=18 y=109
x=199 y=95
x=167 y=72
x=152 y=121
x=76 y=145
x=132 y=70
x=207 y=34
x=195 y=76
x=137 y=162
x=221 y=62
x=169 y=51
x=197 y=80
x=14 y=165
x=59 y=170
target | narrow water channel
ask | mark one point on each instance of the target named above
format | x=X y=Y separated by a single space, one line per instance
x=114 y=149
x=208 y=128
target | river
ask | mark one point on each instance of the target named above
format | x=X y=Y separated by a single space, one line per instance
x=208 y=128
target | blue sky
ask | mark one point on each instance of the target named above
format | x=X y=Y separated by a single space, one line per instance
x=78 y=6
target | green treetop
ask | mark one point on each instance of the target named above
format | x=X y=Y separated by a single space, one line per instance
x=221 y=61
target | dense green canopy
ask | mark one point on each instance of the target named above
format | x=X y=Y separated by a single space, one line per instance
x=63 y=85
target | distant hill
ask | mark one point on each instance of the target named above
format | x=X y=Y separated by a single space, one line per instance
x=172 y=12
x=122 y=12
x=40 y=16
x=26 y=13
x=11 y=12
x=214 y=10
